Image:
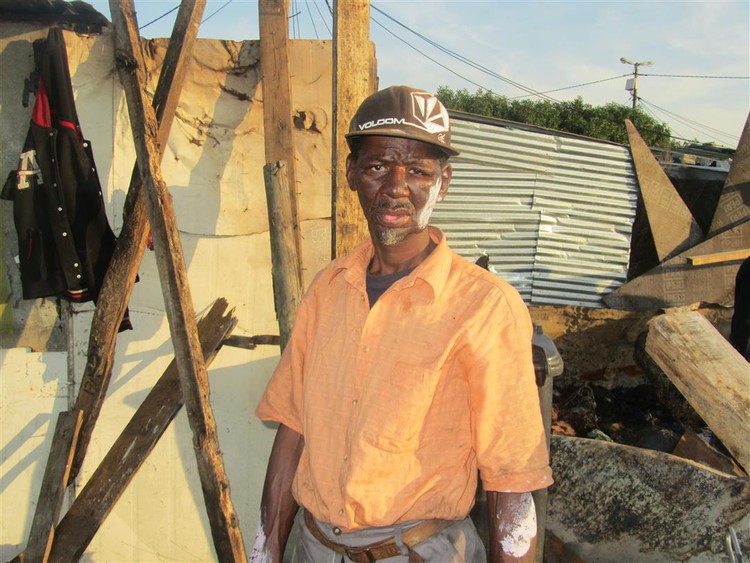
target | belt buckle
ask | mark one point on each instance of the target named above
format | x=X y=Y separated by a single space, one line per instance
x=359 y=555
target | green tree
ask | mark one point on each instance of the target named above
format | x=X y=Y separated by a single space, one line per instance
x=575 y=116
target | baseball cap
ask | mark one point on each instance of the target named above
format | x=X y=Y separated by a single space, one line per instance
x=402 y=111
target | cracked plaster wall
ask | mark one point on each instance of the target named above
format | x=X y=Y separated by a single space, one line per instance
x=213 y=167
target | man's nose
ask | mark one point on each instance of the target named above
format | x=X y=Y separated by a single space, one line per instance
x=396 y=183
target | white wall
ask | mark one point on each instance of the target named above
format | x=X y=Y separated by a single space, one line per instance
x=213 y=167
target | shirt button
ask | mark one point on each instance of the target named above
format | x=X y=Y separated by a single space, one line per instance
x=65 y=234
x=346 y=457
x=362 y=298
x=336 y=530
x=75 y=264
x=59 y=208
x=341 y=512
x=367 y=348
x=354 y=402
x=78 y=276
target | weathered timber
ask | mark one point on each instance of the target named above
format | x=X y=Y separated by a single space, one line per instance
x=287 y=287
x=717 y=257
x=225 y=530
x=353 y=80
x=53 y=486
x=672 y=225
x=278 y=136
x=252 y=342
x=676 y=283
x=709 y=372
x=135 y=443
x=734 y=202
x=131 y=242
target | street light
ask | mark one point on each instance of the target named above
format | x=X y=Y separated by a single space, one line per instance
x=636 y=65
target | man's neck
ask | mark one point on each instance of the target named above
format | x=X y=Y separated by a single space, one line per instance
x=409 y=253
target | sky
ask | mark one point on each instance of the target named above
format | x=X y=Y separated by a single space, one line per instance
x=698 y=84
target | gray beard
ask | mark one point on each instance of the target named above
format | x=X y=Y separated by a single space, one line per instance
x=389 y=237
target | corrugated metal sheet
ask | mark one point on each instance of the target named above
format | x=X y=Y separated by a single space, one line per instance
x=553 y=212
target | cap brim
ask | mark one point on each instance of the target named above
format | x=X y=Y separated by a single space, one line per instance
x=399 y=133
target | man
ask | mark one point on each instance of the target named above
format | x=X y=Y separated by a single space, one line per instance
x=408 y=369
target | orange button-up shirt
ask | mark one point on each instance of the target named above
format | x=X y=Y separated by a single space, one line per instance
x=400 y=404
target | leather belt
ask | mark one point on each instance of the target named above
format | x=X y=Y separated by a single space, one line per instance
x=385 y=548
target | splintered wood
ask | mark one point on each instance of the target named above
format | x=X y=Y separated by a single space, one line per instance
x=709 y=372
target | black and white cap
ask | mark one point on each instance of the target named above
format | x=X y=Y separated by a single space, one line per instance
x=402 y=111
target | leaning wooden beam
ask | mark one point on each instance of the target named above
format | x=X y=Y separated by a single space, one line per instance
x=287 y=288
x=672 y=225
x=132 y=447
x=734 y=203
x=123 y=267
x=353 y=80
x=53 y=487
x=278 y=135
x=174 y=281
x=709 y=372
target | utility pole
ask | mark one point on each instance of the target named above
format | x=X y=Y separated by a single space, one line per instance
x=636 y=66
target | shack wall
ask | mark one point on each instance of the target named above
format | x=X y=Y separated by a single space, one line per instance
x=213 y=167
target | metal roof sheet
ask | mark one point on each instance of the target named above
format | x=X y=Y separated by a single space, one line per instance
x=554 y=212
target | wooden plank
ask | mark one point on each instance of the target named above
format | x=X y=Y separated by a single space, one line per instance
x=353 y=80
x=53 y=486
x=718 y=257
x=132 y=447
x=278 y=132
x=672 y=225
x=131 y=242
x=287 y=288
x=709 y=372
x=734 y=203
x=174 y=282
x=676 y=283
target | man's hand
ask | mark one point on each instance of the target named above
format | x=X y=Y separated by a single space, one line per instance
x=278 y=507
x=512 y=526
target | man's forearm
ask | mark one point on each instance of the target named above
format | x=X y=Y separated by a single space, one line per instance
x=278 y=506
x=512 y=526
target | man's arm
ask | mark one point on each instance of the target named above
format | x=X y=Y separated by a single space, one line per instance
x=278 y=507
x=512 y=526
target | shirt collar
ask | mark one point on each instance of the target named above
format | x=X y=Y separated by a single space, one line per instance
x=434 y=270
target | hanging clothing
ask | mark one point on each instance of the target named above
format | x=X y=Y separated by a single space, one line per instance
x=64 y=239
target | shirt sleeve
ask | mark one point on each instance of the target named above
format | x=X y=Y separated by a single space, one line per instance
x=509 y=437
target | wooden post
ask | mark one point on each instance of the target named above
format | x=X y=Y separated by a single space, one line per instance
x=277 y=111
x=287 y=288
x=173 y=277
x=53 y=487
x=709 y=372
x=123 y=266
x=132 y=447
x=353 y=80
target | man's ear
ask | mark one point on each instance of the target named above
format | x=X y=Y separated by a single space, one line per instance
x=350 y=173
x=445 y=176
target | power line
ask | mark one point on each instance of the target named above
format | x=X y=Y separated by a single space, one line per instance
x=464 y=59
x=325 y=22
x=312 y=21
x=706 y=130
x=164 y=15
x=699 y=76
x=219 y=9
x=575 y=86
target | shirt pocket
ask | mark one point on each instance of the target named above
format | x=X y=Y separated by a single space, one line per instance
x=395 y=421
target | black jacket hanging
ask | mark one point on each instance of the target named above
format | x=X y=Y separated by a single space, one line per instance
x=65 y=242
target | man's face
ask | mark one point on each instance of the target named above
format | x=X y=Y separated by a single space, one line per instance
x=398 y=182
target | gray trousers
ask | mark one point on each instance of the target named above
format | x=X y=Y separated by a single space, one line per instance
x=459 y=543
